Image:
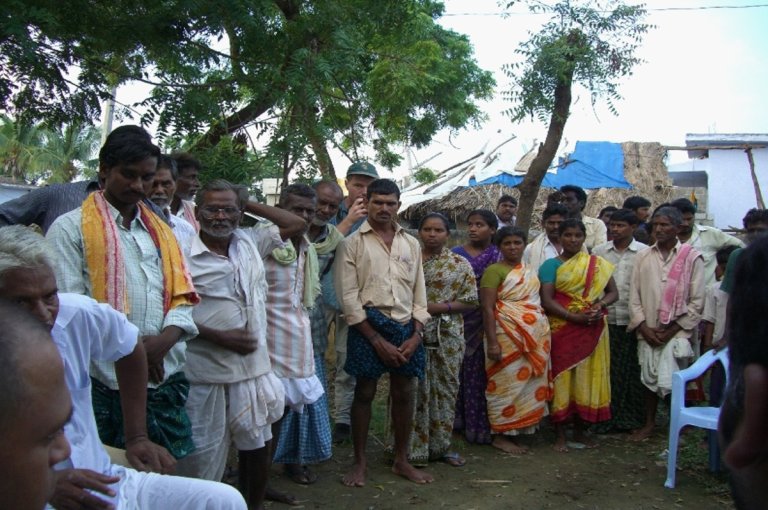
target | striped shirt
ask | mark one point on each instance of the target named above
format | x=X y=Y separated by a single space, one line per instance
x=289 y=335
x=144 y=285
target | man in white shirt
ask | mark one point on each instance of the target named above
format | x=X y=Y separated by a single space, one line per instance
x=575 y=200
x=547 y=244
x=626 y=388
x=234 y=396
x=506 y=209
x=707 y=240
x=82 y=330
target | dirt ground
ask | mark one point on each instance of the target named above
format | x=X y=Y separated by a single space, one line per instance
x=616 y=475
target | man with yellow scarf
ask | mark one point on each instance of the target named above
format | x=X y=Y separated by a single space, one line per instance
x=117 y=251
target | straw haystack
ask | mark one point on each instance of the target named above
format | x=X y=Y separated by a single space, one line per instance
x=644 y=169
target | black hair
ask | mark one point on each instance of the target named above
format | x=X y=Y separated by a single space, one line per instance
x=642 y=235
x=439 y=216
x=625 y=215
x=383 y=187
x=127 y=144
x=509 y=232
x=722 y=254
x=506 y=198
x=489 y=217
x=607 y=209
x=185 y=161
x=635 y=203
x=297 y=189
x=165 y=161
x=572 y=223
x=684 y=206
x=673 y=213
x=581 y=195
x=748 y=302
x=554 y=210
x=665 y=204
x=755 y=216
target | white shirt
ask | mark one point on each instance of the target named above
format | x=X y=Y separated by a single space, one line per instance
x=538 y=251
x=715 y=305
x=623 y=261
x=86 y=330
x=232 y=293
x=182 y=229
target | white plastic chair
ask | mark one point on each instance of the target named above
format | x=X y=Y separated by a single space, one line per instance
x=703 y=417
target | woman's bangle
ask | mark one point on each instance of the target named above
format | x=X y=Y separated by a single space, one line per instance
x=449 y=306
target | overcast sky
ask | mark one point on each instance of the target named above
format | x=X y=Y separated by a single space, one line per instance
x=705 y=72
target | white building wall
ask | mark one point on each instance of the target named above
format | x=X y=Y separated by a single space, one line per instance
x=731 y=193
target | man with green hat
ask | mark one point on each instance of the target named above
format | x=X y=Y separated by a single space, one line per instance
x=352 y=209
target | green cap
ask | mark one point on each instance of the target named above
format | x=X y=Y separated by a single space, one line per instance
x=363 y=168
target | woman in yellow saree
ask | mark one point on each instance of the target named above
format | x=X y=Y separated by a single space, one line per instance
x=575 y=290
x=517 y=345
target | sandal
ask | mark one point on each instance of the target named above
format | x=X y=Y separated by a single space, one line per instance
x=453 y=459
x=300 y=474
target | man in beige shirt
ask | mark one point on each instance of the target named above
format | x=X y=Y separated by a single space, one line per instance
x=664 y=332
x=575 y=199
x=380 y=286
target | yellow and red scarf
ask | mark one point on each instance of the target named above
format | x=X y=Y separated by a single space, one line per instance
x=106 y=265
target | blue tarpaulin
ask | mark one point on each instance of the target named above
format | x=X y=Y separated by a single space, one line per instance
x=591 y=165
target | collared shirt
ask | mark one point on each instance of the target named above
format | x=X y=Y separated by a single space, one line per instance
x=342 y=213
x=232 y=293
x=187 y=212
x=715 y=305
x=327 y=296
x=649 y=277
x=182 y=229
x=597 y=233
x=707 y=240
x=43 y=205
x=538 y=251
x=623 y=261
x=289 y=335
x=86 y=330
x=503 y=224
x=367 y=273
x=143 y=279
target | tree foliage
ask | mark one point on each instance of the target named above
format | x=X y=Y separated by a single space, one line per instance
x=35 y=152
x=358 y=75
x=591 y=43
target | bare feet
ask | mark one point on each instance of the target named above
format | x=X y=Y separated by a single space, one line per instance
x=642 y=434
x=508 y=445
x=583 y=438
x=355 y=477
x=406 y=470
x=560 y=446
x=280 y=497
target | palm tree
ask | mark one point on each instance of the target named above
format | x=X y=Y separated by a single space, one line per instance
x=20 y=149
x=70 y=151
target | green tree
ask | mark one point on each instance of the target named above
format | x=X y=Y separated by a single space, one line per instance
x=70 y=151
x=21 y=149
x=358 y=75
x=589 y=43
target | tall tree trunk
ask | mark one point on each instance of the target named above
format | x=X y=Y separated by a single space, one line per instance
x=529 y=188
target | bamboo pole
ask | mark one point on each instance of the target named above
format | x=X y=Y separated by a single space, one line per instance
x=755 y=183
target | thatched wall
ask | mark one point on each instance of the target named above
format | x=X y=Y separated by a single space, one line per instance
x=644 y=169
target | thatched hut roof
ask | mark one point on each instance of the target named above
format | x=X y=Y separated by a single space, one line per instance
x=644 y=169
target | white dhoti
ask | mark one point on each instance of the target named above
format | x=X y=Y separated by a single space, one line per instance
x=658 y=363
x=240 y=413
x=301 y=391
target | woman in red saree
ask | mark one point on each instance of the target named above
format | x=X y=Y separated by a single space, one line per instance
x=575 y=290
x=517 y=345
